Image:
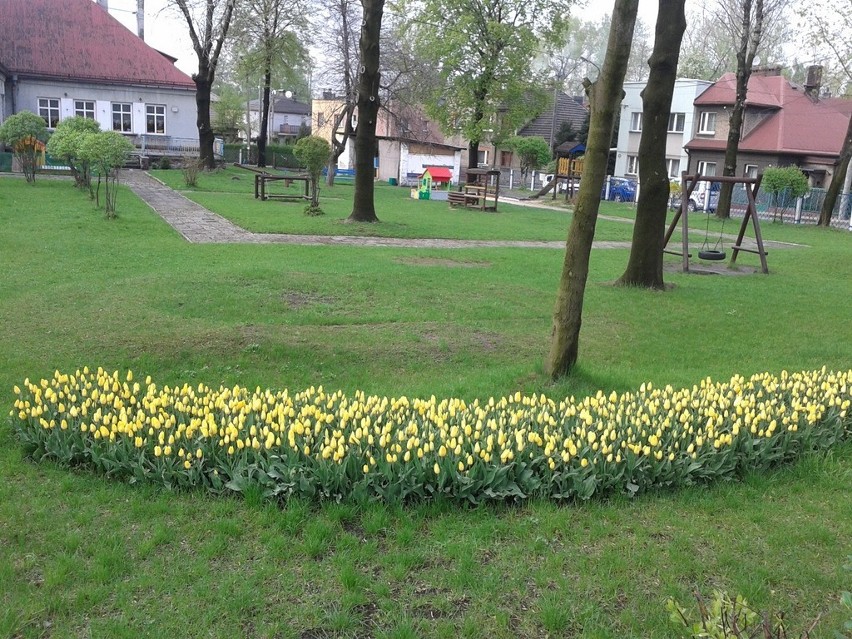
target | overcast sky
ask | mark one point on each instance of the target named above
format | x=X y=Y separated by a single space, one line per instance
x=166 y=30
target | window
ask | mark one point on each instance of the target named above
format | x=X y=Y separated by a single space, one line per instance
x=750 y=171
x=676 y=121
x=48 y=108
x=673 y=167
x=320 y=120
x=121 y=119
x=84 y=109
x=707 y=168
x=482 y=158
x=505 y=158
x=707 y=123
x=636 y=121
x=632 y=165
x=155 y=118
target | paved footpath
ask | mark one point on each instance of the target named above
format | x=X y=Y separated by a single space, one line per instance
x=200 y=226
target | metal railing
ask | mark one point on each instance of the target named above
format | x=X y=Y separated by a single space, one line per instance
x=173 y=146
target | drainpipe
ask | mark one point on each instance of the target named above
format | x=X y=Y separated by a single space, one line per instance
x=14 y=94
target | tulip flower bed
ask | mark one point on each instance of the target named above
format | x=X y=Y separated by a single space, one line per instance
x=333 y=446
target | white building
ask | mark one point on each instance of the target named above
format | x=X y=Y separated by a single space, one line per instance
x=680 y=127
x=64 y=58
x=287 y=117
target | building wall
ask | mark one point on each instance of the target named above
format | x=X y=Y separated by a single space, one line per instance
x=180 y=108
x=685 y=92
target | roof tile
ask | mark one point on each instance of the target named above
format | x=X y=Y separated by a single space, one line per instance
x=79 y=40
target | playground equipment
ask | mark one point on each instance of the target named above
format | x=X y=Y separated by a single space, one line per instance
x=688 y=184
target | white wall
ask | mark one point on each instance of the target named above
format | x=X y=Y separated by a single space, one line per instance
x=180 y=103
x=685 y=92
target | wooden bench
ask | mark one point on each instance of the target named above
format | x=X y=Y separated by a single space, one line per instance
x=458 y=198
x=345 y=175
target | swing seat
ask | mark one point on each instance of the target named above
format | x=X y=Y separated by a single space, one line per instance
x=711 y=255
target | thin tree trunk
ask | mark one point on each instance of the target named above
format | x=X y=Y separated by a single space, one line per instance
x=263 y=133
x=837 y=179
x=749 y=43
x=645 y=265
x=605 y=96
x=364 y=208
x=339 y=146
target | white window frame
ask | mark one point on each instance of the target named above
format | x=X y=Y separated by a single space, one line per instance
x=632 y=165
x=676 y=122
x=84 y=109
x=48 y=109
x=124 y=109
x=750 y=171
x=636 y=122
x=157 y=112
x=673 y=167
x=484 y=160
x=707 y=123
x=704 y=169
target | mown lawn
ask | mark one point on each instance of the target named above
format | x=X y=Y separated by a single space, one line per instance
x=81 y=556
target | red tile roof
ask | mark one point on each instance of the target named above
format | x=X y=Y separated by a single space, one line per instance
x=78 y=40
x=801 y=125
x=439 y=173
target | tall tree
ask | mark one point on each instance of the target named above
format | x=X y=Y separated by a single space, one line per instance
x=482 y=52
x=208 y=22
x=363 y=206
x=834 y=36
x=336 y=36
x=605 y=96
x=748 y=19
x=645 y=265
x=269 y=28
x=711 y=41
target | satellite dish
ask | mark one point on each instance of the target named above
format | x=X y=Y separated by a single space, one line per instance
x=756 y=61
x=288 y=94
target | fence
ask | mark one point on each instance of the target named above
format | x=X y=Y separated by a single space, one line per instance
x=784 y=207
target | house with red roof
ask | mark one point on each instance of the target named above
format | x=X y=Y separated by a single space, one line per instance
x=784 y=124
x=61 y=58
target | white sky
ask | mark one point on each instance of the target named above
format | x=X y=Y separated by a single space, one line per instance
x=166 y=30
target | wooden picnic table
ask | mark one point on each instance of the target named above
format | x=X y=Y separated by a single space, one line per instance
x=261 y=180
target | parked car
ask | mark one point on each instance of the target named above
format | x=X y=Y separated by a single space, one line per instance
x=620 y=190
x=697 y=199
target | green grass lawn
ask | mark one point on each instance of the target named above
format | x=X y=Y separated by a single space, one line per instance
x=230 y=192
x=82 y=556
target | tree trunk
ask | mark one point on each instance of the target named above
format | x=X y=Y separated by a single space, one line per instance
x=749 y=43
x=473 y=154
x=645 y=265
x=339 y=146
x=205 y=130
x=364 y=208
x=263 y=132
x=837 y=179
x=605 y=96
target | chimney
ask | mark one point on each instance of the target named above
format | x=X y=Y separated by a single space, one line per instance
x=767 y=71
x=140 y=19
x=814 y=80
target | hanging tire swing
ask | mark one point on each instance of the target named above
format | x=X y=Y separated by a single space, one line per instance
x=714 y=254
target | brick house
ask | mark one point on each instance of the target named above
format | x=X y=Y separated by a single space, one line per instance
x=784 y=124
